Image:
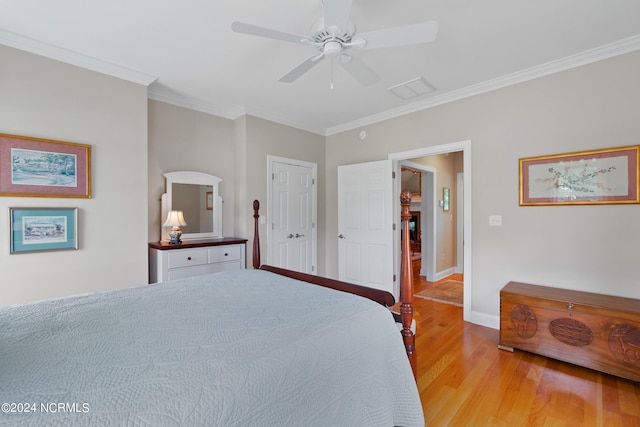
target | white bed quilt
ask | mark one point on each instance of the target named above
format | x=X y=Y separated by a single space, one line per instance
x=247 y=348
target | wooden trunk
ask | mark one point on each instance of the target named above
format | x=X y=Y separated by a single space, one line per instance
x=600 y=332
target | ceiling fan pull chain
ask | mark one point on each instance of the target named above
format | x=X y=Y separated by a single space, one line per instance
x=332 y=60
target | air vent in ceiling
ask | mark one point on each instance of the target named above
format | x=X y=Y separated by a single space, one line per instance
x=412 y=88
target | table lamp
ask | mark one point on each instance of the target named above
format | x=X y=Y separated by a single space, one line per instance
x=175 y=219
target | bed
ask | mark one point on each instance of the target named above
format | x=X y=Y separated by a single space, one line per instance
x=254 y=347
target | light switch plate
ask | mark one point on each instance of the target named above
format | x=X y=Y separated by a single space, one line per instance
x=495 y=220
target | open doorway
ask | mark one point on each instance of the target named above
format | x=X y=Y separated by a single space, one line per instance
x=434 y=246
x=423 y=206
x=439 y=199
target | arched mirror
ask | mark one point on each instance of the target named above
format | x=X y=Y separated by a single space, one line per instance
x=196 y=195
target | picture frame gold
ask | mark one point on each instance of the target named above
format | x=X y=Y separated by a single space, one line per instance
x=606 y=176
x=35 y=167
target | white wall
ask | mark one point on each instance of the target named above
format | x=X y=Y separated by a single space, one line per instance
x=43 y=98
x=591 y=248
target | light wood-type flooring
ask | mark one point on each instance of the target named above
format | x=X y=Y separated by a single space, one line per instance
x=465 y=380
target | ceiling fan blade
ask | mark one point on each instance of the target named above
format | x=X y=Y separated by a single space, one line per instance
x=359 y=70
x=422 y=32
x=254 y=30
x=336 y=13
x=302 y=68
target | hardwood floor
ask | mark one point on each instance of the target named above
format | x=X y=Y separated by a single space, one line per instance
x=465 y=380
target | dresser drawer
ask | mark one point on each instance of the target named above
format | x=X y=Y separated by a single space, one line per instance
x=167 y=262
x=187 y=257
x=224 y=253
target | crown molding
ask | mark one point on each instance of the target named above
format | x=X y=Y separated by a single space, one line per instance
x=283 y=121
x=70 y=57
x=611 y=50
x=158 y=94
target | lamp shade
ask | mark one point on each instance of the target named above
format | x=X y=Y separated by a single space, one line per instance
x=175 y=218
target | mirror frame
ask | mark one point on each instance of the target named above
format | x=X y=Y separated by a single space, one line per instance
x=196 y=178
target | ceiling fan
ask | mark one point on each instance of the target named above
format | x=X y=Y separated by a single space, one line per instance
x=334 y=35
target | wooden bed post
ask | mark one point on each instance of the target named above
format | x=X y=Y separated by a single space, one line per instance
x=406 y=282
x=256 y=235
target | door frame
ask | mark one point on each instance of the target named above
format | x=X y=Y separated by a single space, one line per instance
x=314 y=205
x=465 y=147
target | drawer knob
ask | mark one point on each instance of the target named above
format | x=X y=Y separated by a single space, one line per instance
x=188 y=258
x=226 y=254
x=570 y=306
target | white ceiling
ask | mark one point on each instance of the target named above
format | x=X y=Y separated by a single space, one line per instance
x=187 y=48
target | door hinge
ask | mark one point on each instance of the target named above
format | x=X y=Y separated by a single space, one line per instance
x=313 y=181
x=313 y=268
x=393 y=174
x=394 y=277
x=273 y=177
x=394 y=226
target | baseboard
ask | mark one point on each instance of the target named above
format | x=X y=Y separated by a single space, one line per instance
x=444 y=273
x=483 y=319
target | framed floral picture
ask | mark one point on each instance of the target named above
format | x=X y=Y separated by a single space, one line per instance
x=33 y=167
x=605 y=176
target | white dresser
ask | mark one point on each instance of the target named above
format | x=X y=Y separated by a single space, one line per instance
x=193 y=258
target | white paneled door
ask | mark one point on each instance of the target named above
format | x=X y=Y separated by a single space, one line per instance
x=292 y=238
x=365 y=224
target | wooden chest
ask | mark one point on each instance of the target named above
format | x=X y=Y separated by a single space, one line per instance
x=600 y=332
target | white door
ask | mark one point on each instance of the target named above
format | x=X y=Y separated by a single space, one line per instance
x=365 y=224
x=292 y=207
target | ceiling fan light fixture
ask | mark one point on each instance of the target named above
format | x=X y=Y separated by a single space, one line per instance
x=332 y=49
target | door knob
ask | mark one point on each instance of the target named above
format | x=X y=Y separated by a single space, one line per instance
x=299 y=235
x=340 y=236
x=290 y=236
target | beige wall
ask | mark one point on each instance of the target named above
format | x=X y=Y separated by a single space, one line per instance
x=47 y=99
x=445 y=176
x=181 y=139
x=264 y=138
x=592 y=248
x=234 y=150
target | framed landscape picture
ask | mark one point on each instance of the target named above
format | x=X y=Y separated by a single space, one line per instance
x=605 y=176
x=43 y=229
x=33 y=167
